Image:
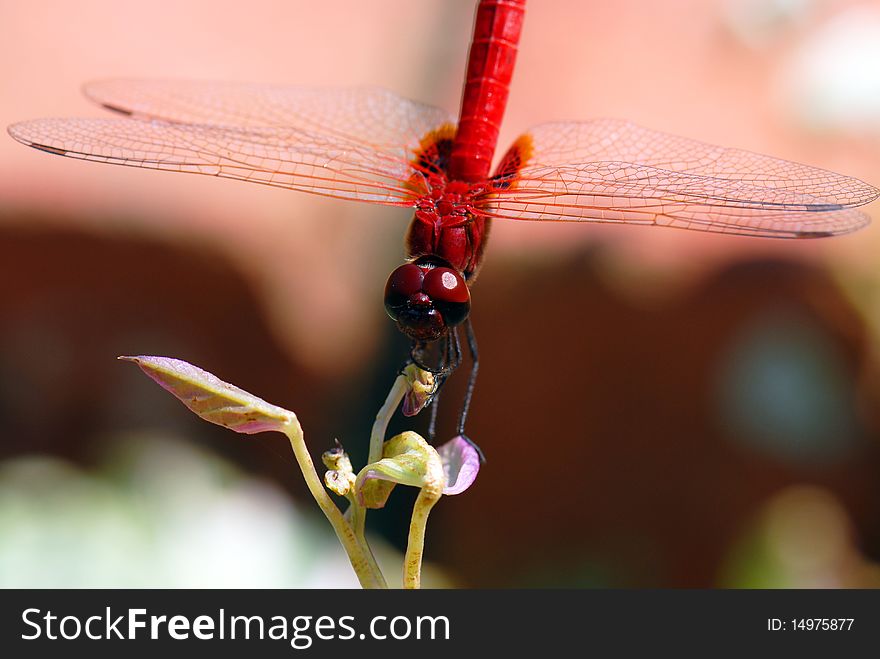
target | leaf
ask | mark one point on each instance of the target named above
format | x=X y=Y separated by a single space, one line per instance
x=213 y=399
x=407 y=460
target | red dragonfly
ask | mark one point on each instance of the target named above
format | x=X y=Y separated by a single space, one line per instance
x=371 y=145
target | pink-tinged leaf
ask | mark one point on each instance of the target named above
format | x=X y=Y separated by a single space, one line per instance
x=461 y=463
x=213 y=399
x=407 y=460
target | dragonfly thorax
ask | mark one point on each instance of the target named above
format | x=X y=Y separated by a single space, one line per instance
x=448 y=225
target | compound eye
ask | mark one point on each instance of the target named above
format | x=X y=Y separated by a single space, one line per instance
x=446 y=285
x=449 y=293
x=404 y=282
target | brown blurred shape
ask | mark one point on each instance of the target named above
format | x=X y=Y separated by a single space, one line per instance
x=607 y=464
x=73 y=301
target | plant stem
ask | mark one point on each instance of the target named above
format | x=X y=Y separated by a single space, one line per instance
x=377 y=439
x=359 y=555
x=380 y=426
x=356 y=518
x=415 y=546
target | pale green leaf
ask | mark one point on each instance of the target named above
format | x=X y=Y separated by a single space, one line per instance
x=213 y=399
x=407 y=460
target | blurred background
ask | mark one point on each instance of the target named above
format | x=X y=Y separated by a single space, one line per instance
x=659 y=409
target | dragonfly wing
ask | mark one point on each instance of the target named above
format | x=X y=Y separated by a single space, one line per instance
x=616 y=172
x=283 y=158
x=350 y=144
x=370 y=116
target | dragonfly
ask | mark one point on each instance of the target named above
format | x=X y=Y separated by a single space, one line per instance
x=371 y=145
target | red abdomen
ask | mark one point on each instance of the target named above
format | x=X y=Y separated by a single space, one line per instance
x=490 y=67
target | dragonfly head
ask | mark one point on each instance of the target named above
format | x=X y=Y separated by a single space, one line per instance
x=426 y=298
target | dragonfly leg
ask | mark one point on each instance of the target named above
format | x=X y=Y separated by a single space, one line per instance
x=451 y=358
x=435 y=403
x=455 y=352
x=472 y=378
x=416 y=356
x=432 y=424
x=444 y=365
x=472 y=381
x=448 y=360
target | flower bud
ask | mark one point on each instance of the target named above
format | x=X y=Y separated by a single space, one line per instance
x=340 y=477
x=421 y=387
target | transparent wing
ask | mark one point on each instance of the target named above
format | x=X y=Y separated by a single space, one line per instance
x=616 y=172
x=369 y=116
x=346 y=143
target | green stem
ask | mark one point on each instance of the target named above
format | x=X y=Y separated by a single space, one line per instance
x=359 y=555
x=380 y=426
x=415 y=546
x=377 y=439
x=356 y=518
